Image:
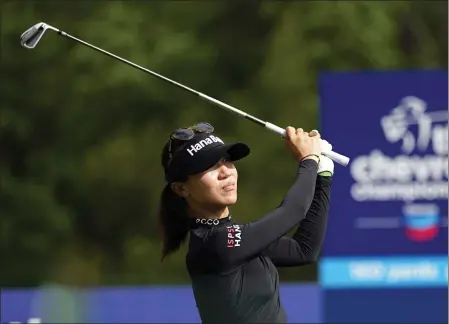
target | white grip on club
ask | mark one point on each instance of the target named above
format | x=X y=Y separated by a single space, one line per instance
x=334 y=156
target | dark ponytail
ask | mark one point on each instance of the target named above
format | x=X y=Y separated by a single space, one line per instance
x=173 y=221
x=173 y=209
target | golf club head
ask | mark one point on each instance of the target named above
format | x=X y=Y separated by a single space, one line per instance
x=33 y=35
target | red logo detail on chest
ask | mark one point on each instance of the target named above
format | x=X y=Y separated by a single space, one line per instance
x=234 y=236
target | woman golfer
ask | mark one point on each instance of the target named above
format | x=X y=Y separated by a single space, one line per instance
x=233 y=266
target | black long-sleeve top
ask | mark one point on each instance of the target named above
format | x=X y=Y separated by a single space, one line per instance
x=233 y=266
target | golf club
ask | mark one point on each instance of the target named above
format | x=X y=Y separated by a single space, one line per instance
x=31 y=37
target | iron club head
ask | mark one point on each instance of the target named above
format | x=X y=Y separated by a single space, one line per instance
x=33 y=35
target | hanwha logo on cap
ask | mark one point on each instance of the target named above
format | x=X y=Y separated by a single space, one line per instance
x=207 y=221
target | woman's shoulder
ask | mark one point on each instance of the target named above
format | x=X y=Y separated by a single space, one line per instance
x=210 y=242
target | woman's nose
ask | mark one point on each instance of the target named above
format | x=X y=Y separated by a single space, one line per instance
x=224 y=170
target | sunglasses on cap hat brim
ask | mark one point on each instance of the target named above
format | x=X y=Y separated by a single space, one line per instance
x=187 y=133
x=201 y=152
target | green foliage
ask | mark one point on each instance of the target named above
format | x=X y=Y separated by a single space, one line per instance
x=81 y=134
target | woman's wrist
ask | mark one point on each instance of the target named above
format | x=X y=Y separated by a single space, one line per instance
x=314 y=157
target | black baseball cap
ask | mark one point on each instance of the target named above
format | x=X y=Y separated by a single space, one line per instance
x=200 y=153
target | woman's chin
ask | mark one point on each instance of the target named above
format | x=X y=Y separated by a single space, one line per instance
x=229 y=199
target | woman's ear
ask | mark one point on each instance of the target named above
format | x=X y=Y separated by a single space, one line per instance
x=180 y=189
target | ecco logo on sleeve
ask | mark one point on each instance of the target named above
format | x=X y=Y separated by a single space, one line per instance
x=234 y=236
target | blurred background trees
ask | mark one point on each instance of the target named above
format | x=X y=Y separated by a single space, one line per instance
x=81 y=134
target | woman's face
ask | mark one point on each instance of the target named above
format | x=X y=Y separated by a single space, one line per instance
x=214 y=188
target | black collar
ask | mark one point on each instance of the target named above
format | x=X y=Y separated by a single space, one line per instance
x=209 y=222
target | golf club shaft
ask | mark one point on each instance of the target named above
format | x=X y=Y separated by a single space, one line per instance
x=199 y=94
x=341 y=159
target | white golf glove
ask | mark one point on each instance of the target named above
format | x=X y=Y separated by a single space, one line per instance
x=325 y=146
x=325 y=165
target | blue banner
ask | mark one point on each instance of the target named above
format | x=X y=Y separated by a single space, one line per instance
x=392 y=198
x=163 y=304
x=427 y=305
x=384 y=257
